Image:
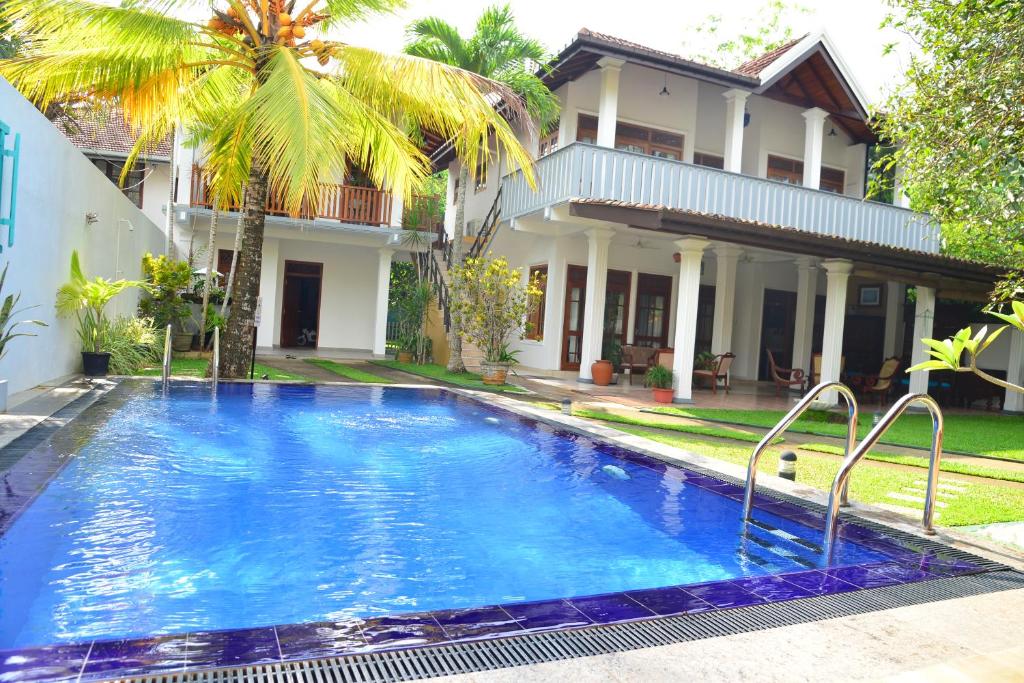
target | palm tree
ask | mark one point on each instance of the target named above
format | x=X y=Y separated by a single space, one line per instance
x=499 y=52
x=285 y=110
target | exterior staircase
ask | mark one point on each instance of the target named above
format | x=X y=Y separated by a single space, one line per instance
x=437 y=269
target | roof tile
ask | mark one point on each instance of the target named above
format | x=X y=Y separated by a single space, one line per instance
x=107 y=132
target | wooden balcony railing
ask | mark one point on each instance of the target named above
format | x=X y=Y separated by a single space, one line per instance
x=345 y=203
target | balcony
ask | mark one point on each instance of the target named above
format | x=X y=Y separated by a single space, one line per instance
x=584 y=171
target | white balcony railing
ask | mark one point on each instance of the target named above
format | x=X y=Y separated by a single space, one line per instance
x=583 y=171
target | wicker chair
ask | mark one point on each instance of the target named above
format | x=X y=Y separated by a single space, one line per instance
x=719 y=370
x=637 y=359
x=882 y=383
x=784 y=378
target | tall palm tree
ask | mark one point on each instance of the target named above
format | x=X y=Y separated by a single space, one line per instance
x=286 y=107
x=497 y=50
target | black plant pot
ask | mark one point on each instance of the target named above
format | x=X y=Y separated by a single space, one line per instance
x=95 y=364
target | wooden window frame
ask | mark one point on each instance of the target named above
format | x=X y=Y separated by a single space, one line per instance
x=794 y=175
x=535 y=323
x=700 y=159
x=836 y=184
x=633 y=134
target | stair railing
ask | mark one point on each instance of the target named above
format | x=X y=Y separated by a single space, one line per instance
x=787 y=421
x=165 y=371
x=876 y=433
x=487 y=230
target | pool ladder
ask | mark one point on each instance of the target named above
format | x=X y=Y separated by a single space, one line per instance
x=853 y=453
x=165 y=374
x=165 y=371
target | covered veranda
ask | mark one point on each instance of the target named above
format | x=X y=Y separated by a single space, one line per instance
x=832 y=307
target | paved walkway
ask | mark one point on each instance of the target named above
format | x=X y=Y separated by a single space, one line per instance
x=967 y=639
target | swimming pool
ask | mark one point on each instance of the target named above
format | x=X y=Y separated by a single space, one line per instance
x=369 y=507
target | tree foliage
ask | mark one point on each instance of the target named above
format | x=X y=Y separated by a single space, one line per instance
x=771 y=27
x=958 y=125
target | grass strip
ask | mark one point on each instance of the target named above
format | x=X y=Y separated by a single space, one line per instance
x=978 y=503
x=440 y=373
x=922 y=463
x=982 y=434
x=196 y=367
x=703 y=430
x=348 y=371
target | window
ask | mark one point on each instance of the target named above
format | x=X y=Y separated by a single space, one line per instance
x=710 y=160
x=786 y=170
x=833 y=180
x=133 y=182
x=548 y=144
x=224 y=257
x=630 y=137
x=535 y=323
x=653 y=294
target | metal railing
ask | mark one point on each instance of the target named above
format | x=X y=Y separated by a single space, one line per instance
x=215 y=371
x=165 y=371
x=852 y=458
x=789 y=419
x=585 y=171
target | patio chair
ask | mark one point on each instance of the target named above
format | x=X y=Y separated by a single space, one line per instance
x=719 y=371
x=664 y=357
x=637 y=359
x=882 y=383
x=784 y=378
x=816 y=368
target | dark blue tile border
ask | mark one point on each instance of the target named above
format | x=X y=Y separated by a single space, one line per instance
x=912 y=559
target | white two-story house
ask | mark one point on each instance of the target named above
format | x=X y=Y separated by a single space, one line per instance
x=685 y=206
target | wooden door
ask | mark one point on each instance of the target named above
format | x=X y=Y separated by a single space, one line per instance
x=616 y=308
x=653 y=299
x=300 y=306
x=777 y=327
x=572 y=326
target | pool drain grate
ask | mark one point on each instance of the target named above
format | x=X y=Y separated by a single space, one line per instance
x=536 y=648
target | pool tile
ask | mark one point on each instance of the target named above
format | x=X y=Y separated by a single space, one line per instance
x=902 y=573
x=230 y=648
x=402 y=630
x=724 y=594
x=157 y=654
x=477 y=622
x=320 y=639
x=862 y=577
x=818 y=582
x=611 y=607
x=939 y=566
x=51 y=663
x=667 y=601
x=773 y=588
x=547 y=615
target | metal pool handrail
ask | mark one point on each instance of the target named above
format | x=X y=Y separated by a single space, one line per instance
x=215 y=372
x=165 y=373
x=840 y=482
x=789 y=419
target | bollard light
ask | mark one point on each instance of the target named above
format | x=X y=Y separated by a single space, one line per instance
x=566 y=406
x=787 y=465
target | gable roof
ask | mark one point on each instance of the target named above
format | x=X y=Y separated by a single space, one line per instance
x=107 y=133
x=755 y=66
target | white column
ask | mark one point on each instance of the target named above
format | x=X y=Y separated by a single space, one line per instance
x=634 y=281
x=397 y=206
x=270 y=313
x=554 y=310
x=735 y=109
x=924 y=322
x=1014 y=401
x=380 y=320
x=608 y=105
x=727 y=258
x=837 y=273
x=803 y=328
x=593 y=308
x=893 y=318
x=814 y=127
x=691 y=250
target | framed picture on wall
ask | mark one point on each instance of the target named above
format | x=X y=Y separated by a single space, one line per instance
x=870 y=295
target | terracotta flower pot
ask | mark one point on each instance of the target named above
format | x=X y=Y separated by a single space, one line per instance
x=404 y=356
x=663 y=395
x=494 y=374
x=602 y=372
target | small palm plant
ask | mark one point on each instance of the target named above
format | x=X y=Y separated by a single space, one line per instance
x=85 y=299
x=8 y=312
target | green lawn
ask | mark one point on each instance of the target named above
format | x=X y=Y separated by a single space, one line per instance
x=433 y=371
x=196 y=367
x=703 y=430
x=348 y=372
x=979 y=433
x=869 y=483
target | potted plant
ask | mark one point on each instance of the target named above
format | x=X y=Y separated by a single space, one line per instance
x=490 y=303
x=7 y=327
x=85 y=299
x=659 y=379
x=168 y=281
x=704 y=360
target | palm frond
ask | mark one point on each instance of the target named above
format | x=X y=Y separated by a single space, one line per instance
x=435 y=39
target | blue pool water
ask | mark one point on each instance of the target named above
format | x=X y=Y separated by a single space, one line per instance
x=285 y=504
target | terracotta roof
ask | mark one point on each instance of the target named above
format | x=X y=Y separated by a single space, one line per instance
x=975 y=270
x=637 y=47
x=108 y=132
x=755 y=66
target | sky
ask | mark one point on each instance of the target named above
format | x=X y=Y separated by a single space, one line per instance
x=668 y=26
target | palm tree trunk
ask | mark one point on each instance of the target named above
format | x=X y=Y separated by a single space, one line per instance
x=210 y=251
x=234 y=263
x=455 y=363
x=236 y=345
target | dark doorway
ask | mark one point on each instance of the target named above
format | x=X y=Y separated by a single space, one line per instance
x=777 y=324
x=572 y=328
x=300 y=307
x=864 y=343
x=705 y=319
x=616 y=313
x=653 y=298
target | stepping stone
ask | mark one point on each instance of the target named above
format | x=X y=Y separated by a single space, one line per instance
x=913 y=499
x=906 y=512
x=921 y=492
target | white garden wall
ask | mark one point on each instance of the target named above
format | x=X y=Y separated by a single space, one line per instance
x=57 y=187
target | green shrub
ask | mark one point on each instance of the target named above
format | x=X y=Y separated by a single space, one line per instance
x=658 y=377
x=133 y=343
